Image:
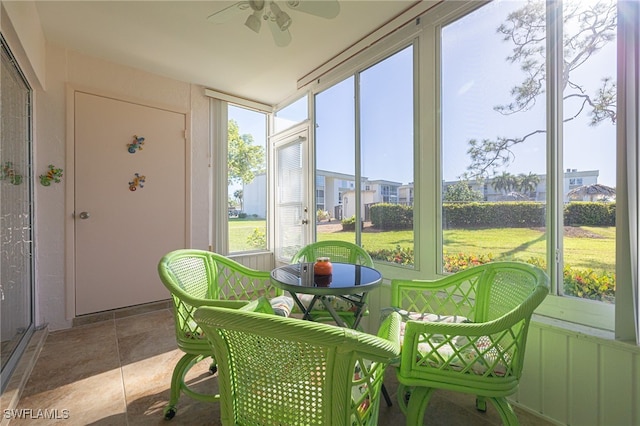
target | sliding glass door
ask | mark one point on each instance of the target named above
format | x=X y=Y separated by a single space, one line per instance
x=16 y=214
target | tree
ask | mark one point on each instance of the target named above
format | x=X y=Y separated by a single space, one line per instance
x=461 y=192
x=238 y=194
x=506 y=182
x=593 y=25
x=527 y=184
x=245 y=160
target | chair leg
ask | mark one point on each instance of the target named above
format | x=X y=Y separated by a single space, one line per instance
x=178 y=385
x=505 y=410
x=386 y=396
x=176 y=379
x=481 y=403
x=417 y=405
x=404 y=393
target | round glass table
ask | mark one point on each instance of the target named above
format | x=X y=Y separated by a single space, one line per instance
x=350 y=283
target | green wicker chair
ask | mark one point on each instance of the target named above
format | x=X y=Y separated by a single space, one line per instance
x=286 y=371
x=198 y=278
x=467 y=333
x=336 y=251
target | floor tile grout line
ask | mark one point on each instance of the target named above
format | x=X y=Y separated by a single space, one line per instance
x=122 y=381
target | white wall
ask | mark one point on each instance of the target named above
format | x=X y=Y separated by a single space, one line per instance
x=61 y=68
x=21 y=26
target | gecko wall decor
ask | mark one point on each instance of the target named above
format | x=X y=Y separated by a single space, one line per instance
x=53 y=175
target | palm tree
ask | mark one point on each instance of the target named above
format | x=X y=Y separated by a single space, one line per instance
x=527 y=184
x=505 y=182
x=239 y=195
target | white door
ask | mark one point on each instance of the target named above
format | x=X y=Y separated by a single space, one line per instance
x=292 y=215
x=124 y=226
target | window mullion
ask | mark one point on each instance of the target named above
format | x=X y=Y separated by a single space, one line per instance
x=358 y=157
x=554 y=219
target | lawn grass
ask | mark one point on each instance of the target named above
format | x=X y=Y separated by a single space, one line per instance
x=239 y=232
x=588 y=251
x=503 y=244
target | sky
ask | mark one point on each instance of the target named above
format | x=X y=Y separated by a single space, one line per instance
x=475 y=78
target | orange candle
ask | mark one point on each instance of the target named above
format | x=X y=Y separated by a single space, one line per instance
x=323 y=266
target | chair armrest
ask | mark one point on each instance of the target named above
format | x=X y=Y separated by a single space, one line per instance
x=390 y=328
x=385 y=346
x=183 y=298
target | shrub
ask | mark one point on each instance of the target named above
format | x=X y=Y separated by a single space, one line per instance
x=349 y=224
x=258 y=238
x=391 y=216
x=589 y=284
x=586 y=284
x=460 y=261
x=584 y=213
x=322 y=215
x=526 y=214
x=402 y=256
x=470 y=215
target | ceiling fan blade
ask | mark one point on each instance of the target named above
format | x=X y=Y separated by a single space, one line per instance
x=282 y=38
x=324 y=8
x=229 y=12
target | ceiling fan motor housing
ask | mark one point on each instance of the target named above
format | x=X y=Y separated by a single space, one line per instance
x=277 y=20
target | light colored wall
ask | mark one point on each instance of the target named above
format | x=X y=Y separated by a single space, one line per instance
x=63 y=67
x=577 y=378
x=21 y=17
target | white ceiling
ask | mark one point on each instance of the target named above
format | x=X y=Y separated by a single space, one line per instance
x=175 y=39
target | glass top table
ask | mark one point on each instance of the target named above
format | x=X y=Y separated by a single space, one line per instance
x=349 y=282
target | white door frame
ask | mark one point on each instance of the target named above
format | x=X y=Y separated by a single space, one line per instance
x=69 y=209
x=277 y=141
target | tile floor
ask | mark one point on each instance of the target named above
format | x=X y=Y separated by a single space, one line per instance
x=116 y=371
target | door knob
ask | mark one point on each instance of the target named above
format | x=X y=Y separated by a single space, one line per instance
x=84 y=215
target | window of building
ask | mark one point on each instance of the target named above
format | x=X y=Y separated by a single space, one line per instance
x=320 y=205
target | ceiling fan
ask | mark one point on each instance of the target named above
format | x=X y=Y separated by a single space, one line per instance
x=277 y=19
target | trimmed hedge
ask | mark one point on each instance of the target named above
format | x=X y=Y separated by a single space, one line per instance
x=387 y=216
x=584 y=213
x=493 y=215
x=475 y=215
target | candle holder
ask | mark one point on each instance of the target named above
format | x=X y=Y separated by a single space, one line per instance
x=322 y=266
